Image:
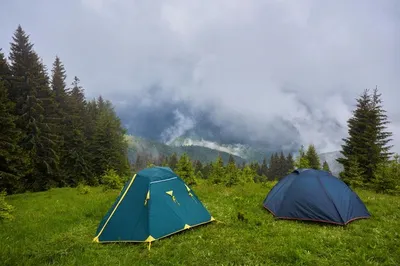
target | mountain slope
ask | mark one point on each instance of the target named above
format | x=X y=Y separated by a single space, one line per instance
x=330 y=158
x=156 y=149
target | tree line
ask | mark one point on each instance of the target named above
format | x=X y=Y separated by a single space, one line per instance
x=233 y=173
x=50 y=134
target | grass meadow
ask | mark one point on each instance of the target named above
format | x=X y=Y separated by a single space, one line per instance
x=56 y=227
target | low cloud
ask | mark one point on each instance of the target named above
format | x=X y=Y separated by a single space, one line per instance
x=180 y=126
x=256 y=63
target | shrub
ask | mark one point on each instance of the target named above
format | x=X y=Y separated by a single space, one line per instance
x=83 y=189
x=387 y=176
x=5 y=208
x=111 y=180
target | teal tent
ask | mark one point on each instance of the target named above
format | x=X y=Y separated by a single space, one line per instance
x=154 y=204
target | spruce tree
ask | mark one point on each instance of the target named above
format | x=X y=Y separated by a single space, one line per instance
x=302 y=160
x=289 y=163
x=198 y=166
x=282 y=165
x=247 y=175
x=173 y=160
x=353 y=175
x=184 y=169
x=387 y=177
x=231 y=172
x=35 y=108
x=368 y=139
x=383 y=137
x=325 y=166
x=11 y=157
x=231 y=159
x=110 y=146
x=264 y=167
x=312 y=157
x=60 y=96
x=217 y=174
x=76 y=158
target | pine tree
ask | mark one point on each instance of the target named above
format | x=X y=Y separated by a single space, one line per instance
x=60 y=96
x=282 y=165
x=264 y=167
x=184 y=169
x=325 y=166
x=312 y=157
x=173 y=160
x=247 y=175
x=353 y=174
x=35 y=108
x=217 y=174
x=11 y=157
x=289 y=163
x=206 y=172
x=302 y=160
x=198 y=166
x=387 y=177
x=273 y=168
x=76 y=158
x=110 y=149
x=368 y=139
x=383 y=137
x=231 y=159
x=231 y=172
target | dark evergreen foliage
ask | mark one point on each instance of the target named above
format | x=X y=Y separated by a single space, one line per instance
x=367 y=144
x=49 y=135
x=312 y=157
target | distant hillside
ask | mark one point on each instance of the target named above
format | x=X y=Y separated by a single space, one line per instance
x=246 y=152
x=330 y=158
x=156 y=149
x=208 y=151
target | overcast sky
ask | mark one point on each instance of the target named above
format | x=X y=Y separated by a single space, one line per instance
x=255 y=58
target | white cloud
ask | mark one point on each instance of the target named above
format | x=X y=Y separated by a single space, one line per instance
x=242 y=56
x=182 y=124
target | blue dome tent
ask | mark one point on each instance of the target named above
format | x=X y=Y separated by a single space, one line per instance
x=315 y=195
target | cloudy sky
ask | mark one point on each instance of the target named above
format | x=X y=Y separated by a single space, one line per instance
x=303 y=60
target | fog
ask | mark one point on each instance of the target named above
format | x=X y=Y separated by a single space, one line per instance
x=249 y=64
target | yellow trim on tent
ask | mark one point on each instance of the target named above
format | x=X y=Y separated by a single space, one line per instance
x=147 y=197
x=186 y=226
x=173 y=197
x=96 y=239
x=149 y=240
x=188 y=189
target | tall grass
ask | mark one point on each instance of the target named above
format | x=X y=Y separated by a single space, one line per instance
x=57 y=227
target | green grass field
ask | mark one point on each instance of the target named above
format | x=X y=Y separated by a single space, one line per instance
x=57 y=227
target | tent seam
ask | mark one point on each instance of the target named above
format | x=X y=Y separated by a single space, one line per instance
x=327 y=194
x=116 y=207
x=284 y=197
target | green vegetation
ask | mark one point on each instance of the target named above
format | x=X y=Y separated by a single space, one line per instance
x=50 y=136
x=5 y=208
x=366 y=152
x=148 y=150
x=57 y=227
x=325 y=167
x=111 y=180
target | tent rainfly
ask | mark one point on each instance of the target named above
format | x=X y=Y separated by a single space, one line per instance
x=315 y=195
x=154 y=204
